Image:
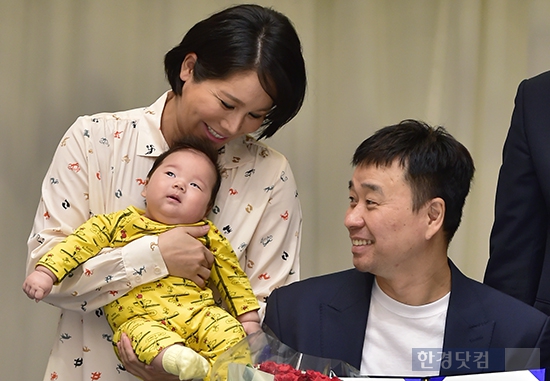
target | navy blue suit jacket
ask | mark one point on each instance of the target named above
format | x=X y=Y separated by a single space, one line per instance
x=519 y=262
x=326 y=316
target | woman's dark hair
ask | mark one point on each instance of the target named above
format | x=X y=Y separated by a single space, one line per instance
x=199 y=145
x=435 y=165
x=247 y=37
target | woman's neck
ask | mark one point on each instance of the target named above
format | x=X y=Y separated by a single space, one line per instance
x=168 y=118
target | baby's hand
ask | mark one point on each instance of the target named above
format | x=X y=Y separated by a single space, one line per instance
x=39 y=283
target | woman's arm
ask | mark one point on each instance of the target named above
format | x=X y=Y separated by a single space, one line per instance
x=273 y=254
x=95 y=170
x=77 y=185
x=258 y=211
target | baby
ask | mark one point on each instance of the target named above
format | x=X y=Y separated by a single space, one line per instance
x=171 y=322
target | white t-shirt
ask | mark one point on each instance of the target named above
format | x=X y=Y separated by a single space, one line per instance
x=394 y=329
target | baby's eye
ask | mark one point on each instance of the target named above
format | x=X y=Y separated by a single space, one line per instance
x=196 y=186
x=170 y=174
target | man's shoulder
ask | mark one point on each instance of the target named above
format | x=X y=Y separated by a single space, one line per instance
x=323 y=283
x=496 y=304
x=339 y=275
x=543 y=77
x=537 y=85
x=499 y=299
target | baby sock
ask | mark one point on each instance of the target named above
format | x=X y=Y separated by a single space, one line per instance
x=184 y=362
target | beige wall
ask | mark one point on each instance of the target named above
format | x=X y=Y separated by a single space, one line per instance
x=370 y=63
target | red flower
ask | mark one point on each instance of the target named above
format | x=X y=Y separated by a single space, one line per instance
x=289 y=377
x=285 y=372
x=312 y=375
x=285 y=368
x=268 y=367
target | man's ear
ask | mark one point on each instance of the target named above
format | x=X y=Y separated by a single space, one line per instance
x=436 y=214
x=187 y=66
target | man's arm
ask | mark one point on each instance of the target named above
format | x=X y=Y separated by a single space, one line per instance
x=518 y=236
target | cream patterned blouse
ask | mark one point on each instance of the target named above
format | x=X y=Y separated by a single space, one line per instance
x=99 y=167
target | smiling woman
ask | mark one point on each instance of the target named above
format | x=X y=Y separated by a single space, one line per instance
x=236 y=73
x=220 y=110
x=240 y=40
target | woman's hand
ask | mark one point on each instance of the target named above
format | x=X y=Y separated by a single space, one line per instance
x=184 y=255
x=136 y=367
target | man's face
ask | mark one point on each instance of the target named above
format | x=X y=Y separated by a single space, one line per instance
x=387 y=236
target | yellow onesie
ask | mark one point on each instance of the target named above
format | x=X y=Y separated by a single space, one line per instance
x=172 y=309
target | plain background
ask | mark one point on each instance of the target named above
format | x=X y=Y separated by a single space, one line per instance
x=370 y=63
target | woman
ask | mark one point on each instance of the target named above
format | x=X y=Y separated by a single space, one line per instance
x=236 y=73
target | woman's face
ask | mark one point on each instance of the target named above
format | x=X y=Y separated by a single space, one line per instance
x=220 y=110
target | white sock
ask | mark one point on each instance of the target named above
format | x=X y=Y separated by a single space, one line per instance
x=184 y=362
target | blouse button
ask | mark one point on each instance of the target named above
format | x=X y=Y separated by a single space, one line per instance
x=157 y=270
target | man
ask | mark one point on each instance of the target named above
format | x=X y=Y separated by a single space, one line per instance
x=406 y=309
x=519 y=264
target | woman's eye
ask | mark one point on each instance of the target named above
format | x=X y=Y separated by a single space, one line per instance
x=255 y=116
x=226 y=105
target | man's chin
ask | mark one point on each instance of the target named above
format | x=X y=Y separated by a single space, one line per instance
x=362 y=265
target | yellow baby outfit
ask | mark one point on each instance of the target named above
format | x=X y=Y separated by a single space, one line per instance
x=172 y=309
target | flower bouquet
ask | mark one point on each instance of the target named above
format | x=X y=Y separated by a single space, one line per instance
x=261 y=357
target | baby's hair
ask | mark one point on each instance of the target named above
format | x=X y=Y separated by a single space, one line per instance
x=199 y=145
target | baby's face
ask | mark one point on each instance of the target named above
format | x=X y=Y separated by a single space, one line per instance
x=179 y=190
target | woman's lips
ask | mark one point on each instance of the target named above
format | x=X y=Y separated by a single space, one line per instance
x=214 y=133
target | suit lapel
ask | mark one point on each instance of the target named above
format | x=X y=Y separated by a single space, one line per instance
x=344 y=318
x=348 y=311
x=466 y=326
